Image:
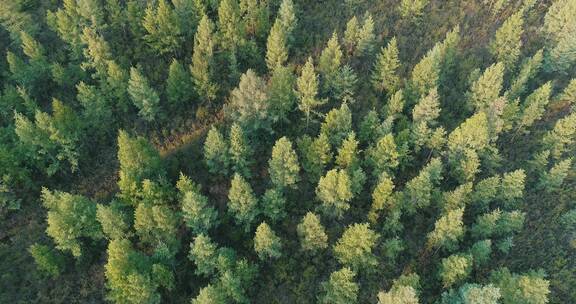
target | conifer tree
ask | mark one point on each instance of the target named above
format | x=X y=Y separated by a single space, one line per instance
x=202 y=60
x=230 y=25
x=274 y=204
x=448 y=230
x=400 y=295
x=559 y=26
x=340 y=288
x=210 y=294
x=562 y=137
x=315 y=154
x=552 y=180
x=178 y=85
x=307 y=89
x=198 y=215
x=351 y=34
x=240 y=151
x=71 y=218
x=113 y=219
x=281 y=95
x=527 y=288
x=46 y=260
x=330 y=59
x=143 y=96
x=385 y=75
x=163 y=28
x=382 y=199
x=203 y=252
x=283 y=166
x=266 y=243
x=249 y=102
x=454 y=269
x=287 y=18
x=507 y=43
x=487 y=88
x=276 y=49
x=311 y=233
x=216 y=153
x=242 y=202
x=337 y=124
x=384 y=156
x=355 y=248
x=528 y=70
x=334 y=190
x=534 y=106
x=97 y=51
x=412 y=9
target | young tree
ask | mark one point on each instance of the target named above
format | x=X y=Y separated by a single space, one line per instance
x=216 y=153
x=198 y=215
x=552 y=180
x=249 y=102
x=164 y=34
x=266 y=243
x=454 y=269
x=559 y=26
x=562 y=137
x=448 y=231
x=487 y=88
x=178 y=85
x=334 y=190
x=281 y=95
x=315 y=154
x=203 y=252
x=497 y=224
x=242 y=202
x=340 y=288
x=307 y=89
x=202 y=61
x=46 y=260
x=382 y=199
x=512 y=188
x=287 y=18
x=311 y=233
x=507 y=43
x=274 y=204
x=230 y=25
x=283 y=167
x=240 y=151
x=534 y=106
x=143 y=96
x=330 y=60
x=383 y=158
x=210 y=294
x=71 y=219
x=276 y=49
x=528 y=71
x=337 y=124
x=355 y=248
x=385 y=75
x=418 y=191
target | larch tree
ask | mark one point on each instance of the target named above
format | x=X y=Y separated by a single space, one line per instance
x=276 y=49
x=400 y=295
x=448 y=231
x=528 y=70
x=266 y=243
x=534 y=106
x=210 y=294
x=385 y=74
x=143 y=96
x=242 y=202
x=559 y=27
x=307 y=90
x=283 y=166
x=529 y=288
x=311 y=233
x=71 y=219
x=552 y=180
x=230 y=25
x=114 y=220
x=240 y=151
x=412 y=9
x=287 y=18
x=164 y=34
x=341 y=288
x=281 y=95
x=315 y=155
x=487 y=88
x=274 y=204
x=249 y=105
x=382 y=199
x=507 y=43
x=330 y=61
x=202 y=60
x=355 y=248
x=46 y=260
x=178 y=86
x=337 y=124
x=383 y=157
x=216 y=153
x=334 y=190
x=454 y=269
x=561 y=138
x=197 y=213
x=204 y=254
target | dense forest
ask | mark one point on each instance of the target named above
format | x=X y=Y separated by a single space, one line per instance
x=288 y=151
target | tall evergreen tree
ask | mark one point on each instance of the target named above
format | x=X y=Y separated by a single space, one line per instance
x=385 y=75
x=143 y=96
x=164 y=34
x=202 y=61
x=276 y=49
x=283 y=166
x=178 y=85
x=307 y=89
x=242 y=202
x=507 y=43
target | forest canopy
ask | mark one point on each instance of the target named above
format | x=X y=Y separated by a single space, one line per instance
x=288 y=151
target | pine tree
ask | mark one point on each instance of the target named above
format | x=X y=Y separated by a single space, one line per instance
x=281 y=95
x=242 y=202
x=382 y=199
x=307 y=89
x=487 y=88
x=412 y=9
x=534 y=106
x=71 y=219
x=143 y=96
x=202 y=61
x=230 y=25
x=266 y=243
x=283 y=166
x=47 y=261
x=249 y=102
x=507 y=43
x=355 y=248
x=383 y=157
x=400 y=295
x=276 y=49
x=311 y=233
x=334 y=190
x=163 y=28
x=240 y=151
x=528 y=70
x=216 y=153
x=561 y=139
x=385 y=75
x=178 y=85
x=337 y=124
x=448 y=230
x=340 y=288
x=274 y=204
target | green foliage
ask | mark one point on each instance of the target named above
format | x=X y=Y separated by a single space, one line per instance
x=229 y=25
x=448 y=231
x=249 y=102
x=143 y=96
x=337 y=124
x=266 y=243
x=283 y=166
x=400 y=295
x=178 y=85
x=311 y=233
x=274 y=204
x=202 y=60
x=340 y=288
x=507 y=43
x=334 y=190
x=307 y=89
x=197 y=213
x=530 y=288
x=240 y=151
x=276 y=49
x=355 y=248
x=162 y=27
x=382 y=199
x=71 y=219
x=559 y=26
x=383 y=157
x=454 y=269
x=498 y=224
x=315 y=154
x=216 y=153
x=203 y=252
x=113 y=219
x=562 y=137
x=411 y=9
x=487 y=88
x=281 y=95
x=330 y=59
x=528 y=70
x=46 y=260
x=241 y=201
x=385 y=75
x=472 y=294
x=534 y=106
